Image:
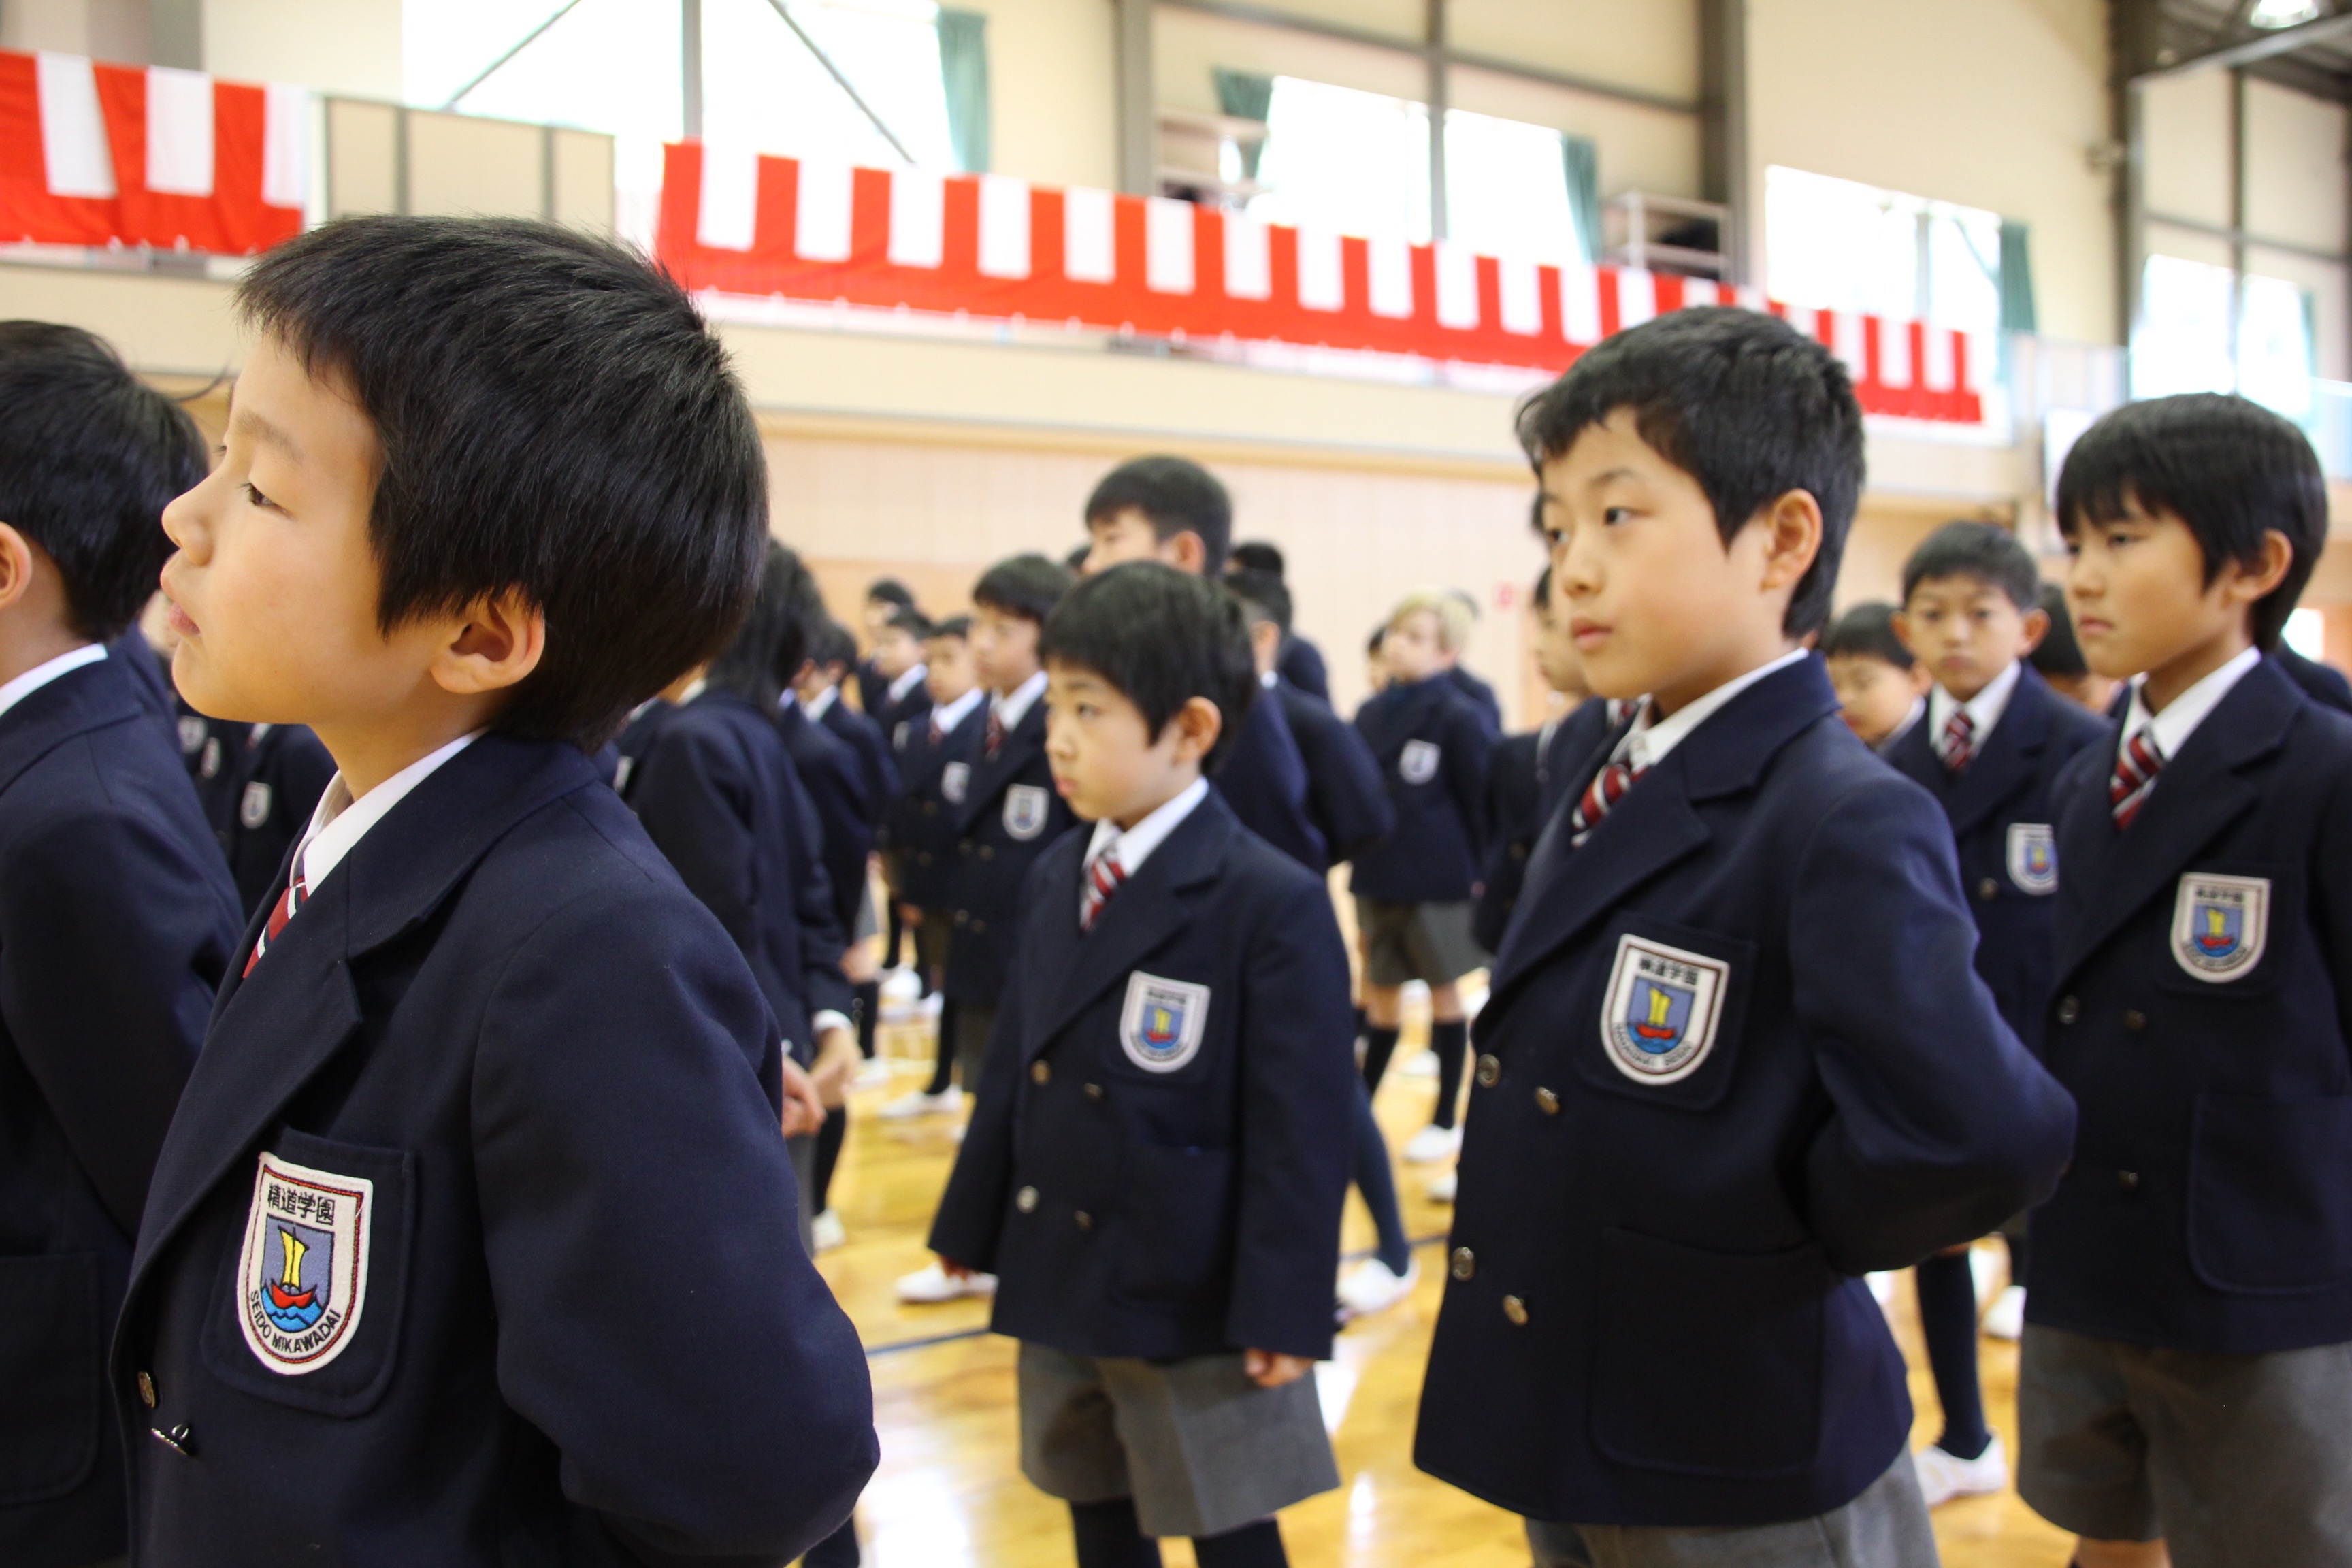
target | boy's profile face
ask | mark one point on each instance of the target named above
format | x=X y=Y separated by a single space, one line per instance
x=1966 y=631
x=1415 y=649
x=1003 y=648
x=896 y=651
x=1106 y=763
x=1127 y=535
x=947 y=673
x=1557 y=661
x=2137 y=591
x=1658 y=602
x=1874 y=695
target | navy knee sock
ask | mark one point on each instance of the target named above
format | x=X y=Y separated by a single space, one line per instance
x=867 y=1003
x=1108 y=1537
x=1378 y=1183
x=1379 y=1045
x=1450 y=1038
x=1256 y=1545
x=2020 y=1253
x=1947 y=1320
x=943 y=1071
x=828 y=1157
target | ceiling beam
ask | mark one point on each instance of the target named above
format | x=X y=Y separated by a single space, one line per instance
x=2248 y=51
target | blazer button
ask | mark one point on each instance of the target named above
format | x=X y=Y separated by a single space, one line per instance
x=1548 y=1102
x=1516 y=1311
x=2069 y=1009
x=2128 y=1180
x=1987 y=889
x=1465 y=1263
x=980 y=927
x=964 y=847
x=146 y=1391
x=988 y=851
x=1039 y=1073
x=1095 y=1092
x=962 y=918
x=922 y=856
x=1085 y=1220
x=181 y=1439
x=930 y=808
x=1025 y=1200
x=2134 y=1020
x=1518 y=851
x=1490 y=1071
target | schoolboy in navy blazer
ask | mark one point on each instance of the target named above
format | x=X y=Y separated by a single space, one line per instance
x=1432 y=746
x=820 y=695
x=270 y=779
x=1264 y=777
x=920 y=829
x=1735 y=1054
x=834 y=778
x=474 y=1239
x=116 y=916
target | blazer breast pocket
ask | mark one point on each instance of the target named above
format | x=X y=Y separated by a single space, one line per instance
x=2230 y=928
x=1672 y=1001
x=308 y=1312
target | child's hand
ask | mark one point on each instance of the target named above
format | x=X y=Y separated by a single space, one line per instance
x=836 y=1059
x=803 y=1110
x=1271 y=1369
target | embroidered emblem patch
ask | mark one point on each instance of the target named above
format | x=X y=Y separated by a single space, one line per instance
x=1418 y=762
x=2219 y=924
x=620 y=773
x=1027 y=807
x=211 y=765
x=954 y=780
x=253 y=810
x=192 y=734
x=1658 y=1020
x=1162 y=1025
x=303 y=1278
x=2033 y=858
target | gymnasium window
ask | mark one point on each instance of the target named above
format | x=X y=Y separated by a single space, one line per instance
x=2206 y=328
x=1838 y=244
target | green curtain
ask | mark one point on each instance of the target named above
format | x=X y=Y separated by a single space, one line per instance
x=963 y=71
x=1580 y=161
x=2016 y=280
x=1245 y=96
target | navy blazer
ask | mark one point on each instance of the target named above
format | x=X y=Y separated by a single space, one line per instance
x=151 y=679
x=1263 y=779
x=2323 y=683
x=1157 y=1161
x=504 y=1035
x=260 y=799
x=2202 y=1017
x=1300 y=662
x=116 y=921
x=1735 y=1056
x=2001 y=813
x=1011 y=813
x=719 y=797
x=632 y=744
x=1433 y=745
x=919 y=832
x=877 y=775
x=834 y=778
x=1480 y=695
x=1346 y=797
x=889 y=715
x=1523 y=785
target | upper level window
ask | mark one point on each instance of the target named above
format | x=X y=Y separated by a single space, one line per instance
x=1837 y=245
x=2206 y=328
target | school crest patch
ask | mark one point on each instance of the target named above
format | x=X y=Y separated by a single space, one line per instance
x=302 y=1278
x=2033 y=858
x=211 y=765
x=1161 y=1025
x=1027 y=807
x=1418 y=762
x=253 y=809
x=2220 y=924
x=955 y=780
x=1659 y=1017
x=192 y=734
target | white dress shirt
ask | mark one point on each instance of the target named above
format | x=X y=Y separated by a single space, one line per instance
x=907 y=682
x=1984 y=710
x=339 y=822
x=815 y=708
x=946 y=718
x=1647 y=744
x=1014 y=705
x=2185 y=712
x=40 y=675
x=1130 y=847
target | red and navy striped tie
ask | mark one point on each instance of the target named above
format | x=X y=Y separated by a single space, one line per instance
x=289 y=904
x=995 y=733
x=2136 y=766
x=1104 y=874
x=1957 y=745
x=1607 y=788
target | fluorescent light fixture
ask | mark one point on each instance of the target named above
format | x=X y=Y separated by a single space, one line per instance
x=2284 y=12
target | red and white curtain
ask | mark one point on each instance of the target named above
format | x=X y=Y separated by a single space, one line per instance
x=104 y=154
x=988 y=246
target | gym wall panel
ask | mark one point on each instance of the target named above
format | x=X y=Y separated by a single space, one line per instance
x=329 y=45
x=1051 y=114
x=1188 y=45
x=2187 y=155
x=1653 y=46
x=2295 y=180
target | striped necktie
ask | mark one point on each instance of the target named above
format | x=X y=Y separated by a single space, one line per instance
x=1958 y=743
x=289 y=904
x=1104 y=874
x=1607 y=788
x=2136 y=766
x=995 y=732
x=938 y=732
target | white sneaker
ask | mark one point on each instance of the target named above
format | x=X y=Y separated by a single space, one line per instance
x=2005 y=1318
x=1441 y=1189
x=919 y=1104
x=933 y=1283
x=872 y=1073
x=1433 y=1143
x=1882 y=1290
x=1371 y=1287
x=1421 y=1064
x=826 y=1231
x=1943 y=1478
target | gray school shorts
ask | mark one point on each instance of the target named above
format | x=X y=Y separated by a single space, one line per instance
x=2232 y=1459
x=1428 y=943
x=1200 y=1447
x=1885 y=1527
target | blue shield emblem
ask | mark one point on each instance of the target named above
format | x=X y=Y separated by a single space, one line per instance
x=302 y=1274
x=2216 y=929
x=1162 y=1025
x=2220 y=924
x=1656 y=1014
x=1661 y=1011
x=296 y=1279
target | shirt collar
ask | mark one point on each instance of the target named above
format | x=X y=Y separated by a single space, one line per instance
x=1267 y=678
x=1015 y=706
x=1646 y=744
x=339 y=822
x=907 y=682
x=949 y=717
x=1135 y=845
x=696 y=688
x=2185 y=712
x=40 y=675
x=816 y=707
x=1984 y=710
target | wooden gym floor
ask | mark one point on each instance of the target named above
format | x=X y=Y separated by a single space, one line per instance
x=949 y=1492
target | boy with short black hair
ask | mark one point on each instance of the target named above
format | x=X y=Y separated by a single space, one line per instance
x=480 y=1103
x=898 y=659
x=1155 y=1166
x=886 y=597
x=1735 y=1054
x=117 y=917
x=1881 y=689
x=1413 y=889
x=265 y=782
x=1159 y=509
x=1300 y=662
x=1991 y=744
x=2187 y=1353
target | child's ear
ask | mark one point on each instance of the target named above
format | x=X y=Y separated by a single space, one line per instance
x=1197 y=725
x=2037 y=627
x=1185 y=551
x=15 y=566
x=1901 y=622
x=2251 y=581
x=1920 y=677
x=498 y=642
x=1792 y=525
